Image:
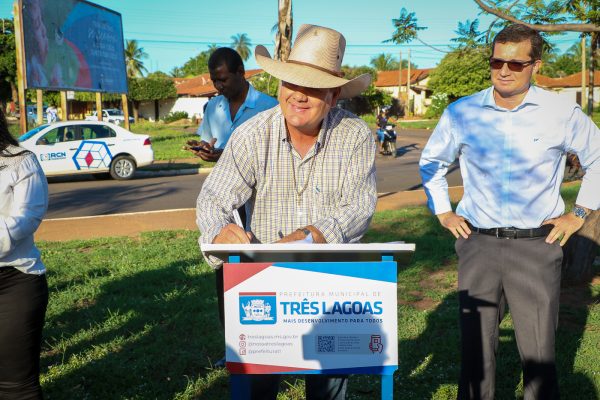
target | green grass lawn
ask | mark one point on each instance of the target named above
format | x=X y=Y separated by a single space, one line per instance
x=137 y=319
x=167 y=140
x=371 y=120
x=423 y=124
x=14 y=130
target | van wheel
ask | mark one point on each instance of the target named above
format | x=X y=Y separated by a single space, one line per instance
x=122 y=168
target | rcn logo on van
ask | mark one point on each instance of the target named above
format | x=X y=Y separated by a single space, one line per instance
x=60 y=155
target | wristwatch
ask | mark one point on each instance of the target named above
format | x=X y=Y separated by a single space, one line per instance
x=580 y=212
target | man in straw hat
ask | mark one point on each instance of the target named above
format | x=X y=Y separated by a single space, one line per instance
x=305 y=169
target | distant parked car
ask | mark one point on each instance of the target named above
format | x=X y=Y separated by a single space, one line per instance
x=87 y=147
x=32 y=114
x=113 y=115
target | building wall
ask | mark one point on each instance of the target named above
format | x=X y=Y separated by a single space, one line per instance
x=193 y=106
x=421 y=101
x=571 y=94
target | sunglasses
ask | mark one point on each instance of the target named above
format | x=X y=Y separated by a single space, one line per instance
x=515 y=66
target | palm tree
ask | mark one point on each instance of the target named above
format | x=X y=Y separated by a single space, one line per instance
x=212 y=47
x=133 y=59
x=468 y=35
x=176 y=72
x=241 y=43
x=283 y=29
x=384 y=62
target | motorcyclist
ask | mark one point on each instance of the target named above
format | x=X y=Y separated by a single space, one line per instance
x=382 y=121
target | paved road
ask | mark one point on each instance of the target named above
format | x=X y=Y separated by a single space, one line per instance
x=101 y=197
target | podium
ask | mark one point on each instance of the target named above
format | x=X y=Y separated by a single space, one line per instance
x=299 y=308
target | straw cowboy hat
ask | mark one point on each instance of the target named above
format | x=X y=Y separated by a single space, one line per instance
x=315 y=62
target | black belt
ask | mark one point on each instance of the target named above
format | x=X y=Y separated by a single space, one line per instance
x=514 y=233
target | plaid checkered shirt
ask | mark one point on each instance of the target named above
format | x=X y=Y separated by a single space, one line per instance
x=332 y=188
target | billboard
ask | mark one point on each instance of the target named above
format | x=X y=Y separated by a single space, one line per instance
x=72 y=45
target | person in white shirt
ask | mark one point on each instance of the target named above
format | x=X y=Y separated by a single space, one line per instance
x=512 y=139
x=23 y=286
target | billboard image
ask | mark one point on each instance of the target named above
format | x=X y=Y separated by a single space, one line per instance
x=73 y=45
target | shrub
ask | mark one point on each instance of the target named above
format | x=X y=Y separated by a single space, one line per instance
x=439 y=102
x=175 y=116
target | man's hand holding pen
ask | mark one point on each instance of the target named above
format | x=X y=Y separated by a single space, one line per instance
x=232 y=233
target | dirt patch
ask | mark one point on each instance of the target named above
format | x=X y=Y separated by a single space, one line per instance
x=425 y=304
x=422 y=304
x=438 y=280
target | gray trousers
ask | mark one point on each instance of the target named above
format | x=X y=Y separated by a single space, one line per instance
x=525 y=273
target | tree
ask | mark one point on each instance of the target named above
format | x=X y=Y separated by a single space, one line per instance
x=468 y=34
x=369 y=100
x=196 y=65
x=384 y=62
x=241 y=43
x=462 y=72
x=211 y=48
x=406 y=26
x=387 y=62
x=265 y=83
x=157 y=74
x=8 y=63
x=150 y=89
x=176 y=72
x=559 y=65
x=133 y=59
x=285 y=22
x=536 y=12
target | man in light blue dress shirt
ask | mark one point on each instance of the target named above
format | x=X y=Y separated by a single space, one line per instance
x=236 y=103
x=511 y=141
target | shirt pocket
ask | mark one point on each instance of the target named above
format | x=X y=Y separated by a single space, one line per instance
x=542 y=145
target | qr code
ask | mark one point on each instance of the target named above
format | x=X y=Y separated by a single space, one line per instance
x=325 y=344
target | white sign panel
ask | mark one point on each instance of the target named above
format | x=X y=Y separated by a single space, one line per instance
x=333 y=318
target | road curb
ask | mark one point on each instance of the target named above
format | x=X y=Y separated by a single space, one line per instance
x=132 y=224
x=172 y=172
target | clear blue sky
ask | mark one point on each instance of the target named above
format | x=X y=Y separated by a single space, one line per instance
x=172 y=31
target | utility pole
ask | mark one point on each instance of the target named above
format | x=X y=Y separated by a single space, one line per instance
x=400 y=76
x=583 y=96
x=594 y=42
x=408 y=110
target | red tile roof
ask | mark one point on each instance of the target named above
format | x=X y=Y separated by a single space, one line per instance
x=566 y=81
x=201 y=85
x=390 y=78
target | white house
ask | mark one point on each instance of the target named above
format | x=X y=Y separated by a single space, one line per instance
x=570 y=86
x=388 y=81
